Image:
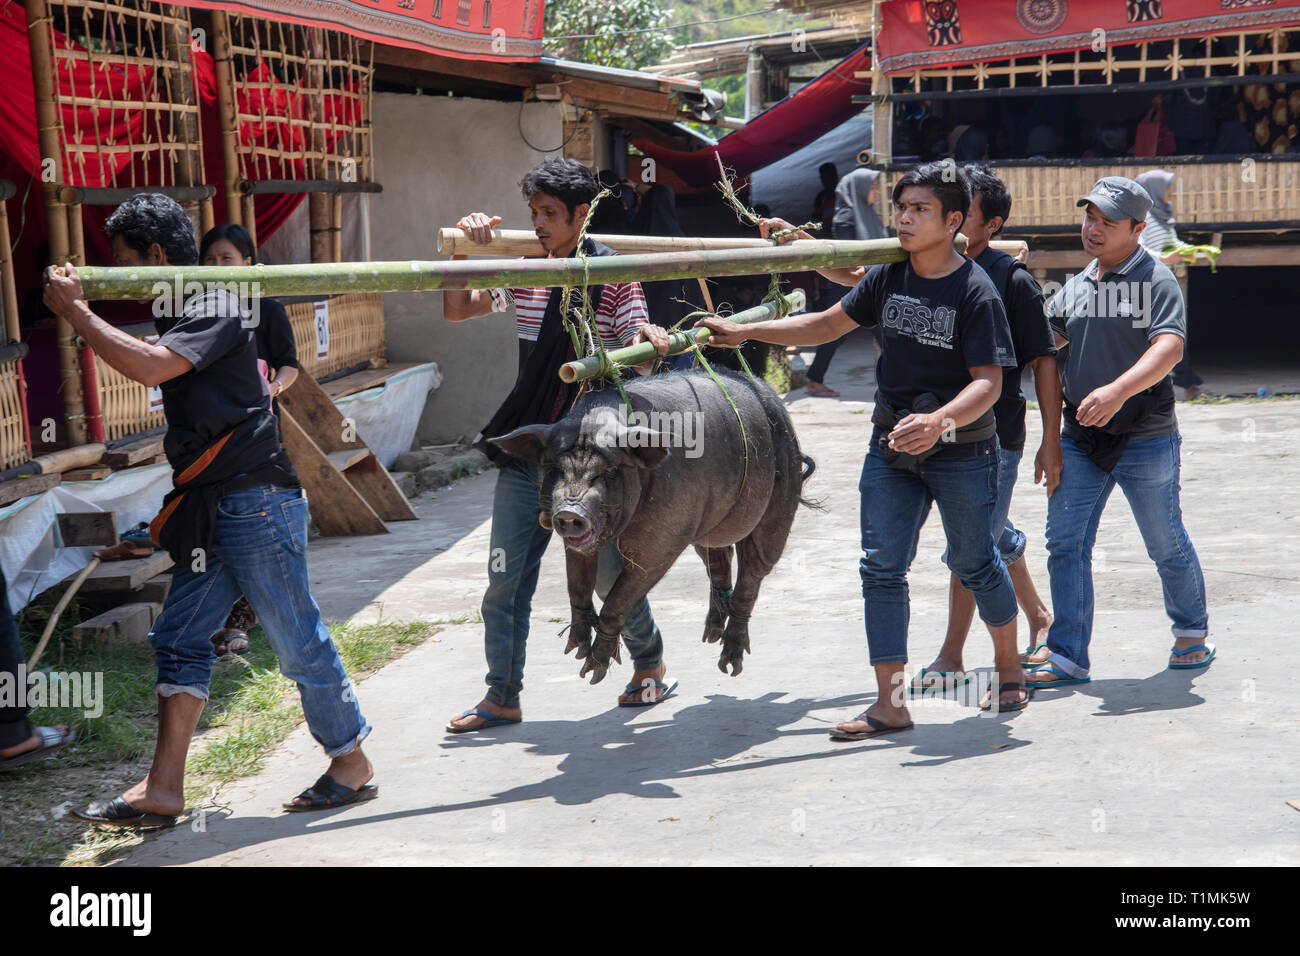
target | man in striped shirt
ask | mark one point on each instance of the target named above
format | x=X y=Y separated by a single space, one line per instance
x=559 y=194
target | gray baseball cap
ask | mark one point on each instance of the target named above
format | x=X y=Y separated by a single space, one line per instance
x=1119 y=198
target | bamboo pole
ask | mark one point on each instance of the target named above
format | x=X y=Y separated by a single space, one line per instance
x=593 y=365
x=319 y=278
x=221 y=56
x=13 y=330
x=521 y=242
x=49 y=132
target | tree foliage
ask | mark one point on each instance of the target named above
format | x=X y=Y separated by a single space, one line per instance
x=605 y=23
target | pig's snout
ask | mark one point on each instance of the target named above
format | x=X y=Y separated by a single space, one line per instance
x=570 y=524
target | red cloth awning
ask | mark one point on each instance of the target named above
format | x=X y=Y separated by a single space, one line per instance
x=918 y=34
x=501 y=30
x=779 y=130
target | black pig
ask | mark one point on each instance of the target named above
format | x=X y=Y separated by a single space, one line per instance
x=670 y=473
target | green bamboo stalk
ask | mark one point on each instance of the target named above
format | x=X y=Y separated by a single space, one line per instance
x=323 y=278
x=593 y=366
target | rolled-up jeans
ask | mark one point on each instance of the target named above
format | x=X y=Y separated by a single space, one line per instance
x=895 y=503
x=1148 y=474
x=518 y=542
x=260 y=552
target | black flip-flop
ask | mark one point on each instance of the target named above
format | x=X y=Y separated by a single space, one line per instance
x=51 y=740
x=1009 y=708
x=878 y=727
x=119 y=814
x=328 y=792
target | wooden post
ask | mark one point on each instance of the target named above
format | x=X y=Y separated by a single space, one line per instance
x=12 y=331
x=187 y=170
x=882 y=111
x=250 y=218
x=320 y=205
x=753 y=85
x=49 y=132
x=94 y=412
x=227 y=110
x=336 y=223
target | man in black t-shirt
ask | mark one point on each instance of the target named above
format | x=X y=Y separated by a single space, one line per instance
x=236 y=522
x=943 y=342
x=1032 y=337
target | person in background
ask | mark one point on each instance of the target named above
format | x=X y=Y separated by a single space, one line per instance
x=230 y=245
x=855 y=218
x=20 y=741
x=1159 y=239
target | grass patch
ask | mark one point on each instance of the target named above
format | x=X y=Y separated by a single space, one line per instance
x=252 y=708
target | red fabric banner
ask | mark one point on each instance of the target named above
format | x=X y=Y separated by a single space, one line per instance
x=500 y=30
x=920 y=34
x=778 y=131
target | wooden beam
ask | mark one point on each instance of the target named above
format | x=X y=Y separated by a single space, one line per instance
x=15 y=488
x=337 y=508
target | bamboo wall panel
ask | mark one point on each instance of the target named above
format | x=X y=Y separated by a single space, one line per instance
x=1206 y=194
x=13 y=450
x=355 y=335
x=125 y=404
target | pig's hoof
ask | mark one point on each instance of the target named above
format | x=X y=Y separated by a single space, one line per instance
x=583 y=647
x=737 y=664
x=713 y=633
x=596 y=671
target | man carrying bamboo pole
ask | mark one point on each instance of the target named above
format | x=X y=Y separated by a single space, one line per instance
x=559 y=194
x=236 y=522
x=944 y=341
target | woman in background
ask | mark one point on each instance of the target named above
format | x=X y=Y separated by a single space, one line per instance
x=231 y=245
x=1160 y=239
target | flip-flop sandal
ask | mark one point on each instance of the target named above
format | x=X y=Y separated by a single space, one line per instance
x=328 y=792
x=823 y=392
x=662 y=692
x=1064 y=679
x=51 y=740
x=944 y=684
x=491 y=720
x=1009 y=708
x=119 y=814
x=227 y=636
x=878 y=727
x=1032 y=651
x=1199 y=647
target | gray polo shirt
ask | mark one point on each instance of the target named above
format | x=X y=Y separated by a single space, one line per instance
x=1110 y=324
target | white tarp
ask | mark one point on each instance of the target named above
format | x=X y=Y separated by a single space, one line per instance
x=386 y=417
x=790 y=185
x=28 y=554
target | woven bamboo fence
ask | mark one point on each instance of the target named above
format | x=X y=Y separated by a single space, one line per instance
x=353 y=332
x=1264 y=190
x=126 y=403
x=13 y=450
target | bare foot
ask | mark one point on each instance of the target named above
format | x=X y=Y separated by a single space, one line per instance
x=1036 y=659
x=31 y=743
x=150 y=799
x=642 y=683
x=883 y=712
x=939 y=671
x=1008 y=697
x=474 y=721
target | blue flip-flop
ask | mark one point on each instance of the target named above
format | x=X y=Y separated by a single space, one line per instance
x=662 y=691
x=1065 y=679
x=1199 y=647
x=492 y=720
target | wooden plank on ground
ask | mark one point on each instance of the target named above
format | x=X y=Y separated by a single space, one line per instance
x=134 y=453
x=128 y=624
x=376 y=485
x=336 y=507
x=15 y=488
x=360 y=381
x=88 y=474
x=128 y=575
x=86 y=529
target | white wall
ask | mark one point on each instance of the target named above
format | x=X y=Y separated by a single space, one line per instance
x=439 y=158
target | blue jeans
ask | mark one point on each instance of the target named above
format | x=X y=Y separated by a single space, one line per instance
x=514 y=561
x=895 y=503
x=1147 y=473
x=260 y=552
x=1011 y=541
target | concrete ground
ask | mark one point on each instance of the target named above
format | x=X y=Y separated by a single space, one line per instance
x=1142 y=765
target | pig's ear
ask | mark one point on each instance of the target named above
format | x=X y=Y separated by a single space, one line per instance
x=528 y=443
x=646 y=447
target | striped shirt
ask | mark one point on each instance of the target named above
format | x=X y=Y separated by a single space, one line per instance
x=1157 y=237
x=621 y=313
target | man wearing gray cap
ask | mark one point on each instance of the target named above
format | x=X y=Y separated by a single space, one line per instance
x=1119 y=327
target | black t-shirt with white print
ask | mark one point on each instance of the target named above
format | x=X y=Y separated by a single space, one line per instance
x=930 y=331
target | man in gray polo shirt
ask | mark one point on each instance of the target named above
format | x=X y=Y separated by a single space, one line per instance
x=1120 y=326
